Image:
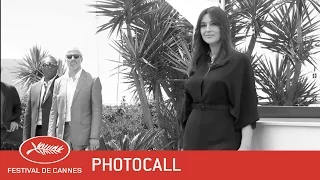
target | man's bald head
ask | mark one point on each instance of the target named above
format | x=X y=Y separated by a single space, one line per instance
x=74 y=59
x=74 y=50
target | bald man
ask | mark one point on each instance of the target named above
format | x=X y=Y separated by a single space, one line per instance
x=40 y=99
x=76 y=112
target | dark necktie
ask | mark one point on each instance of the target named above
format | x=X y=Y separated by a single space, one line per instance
x=44 y=93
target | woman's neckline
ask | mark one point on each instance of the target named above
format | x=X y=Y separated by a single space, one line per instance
x=212 y=57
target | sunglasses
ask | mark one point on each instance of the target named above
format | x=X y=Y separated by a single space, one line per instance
x=51 y=65
x=76 y=56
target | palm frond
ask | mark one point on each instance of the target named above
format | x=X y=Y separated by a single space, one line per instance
x=281 y=34
x=28 y=71
x=272 y=80
x=121 y=12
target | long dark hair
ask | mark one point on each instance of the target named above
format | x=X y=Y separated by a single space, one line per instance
x=200 y=47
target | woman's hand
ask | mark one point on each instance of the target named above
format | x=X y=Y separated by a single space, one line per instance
x=244 y=147
x=246 y=138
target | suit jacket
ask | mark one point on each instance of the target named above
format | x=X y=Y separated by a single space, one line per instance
x=32 y=110
x=86 y=109
x=12 y=109
x=12 y=112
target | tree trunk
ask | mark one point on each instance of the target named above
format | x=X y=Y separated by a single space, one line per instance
x=297 y=58
x=157 y=96
x=147 y=118
x=177 y=104
x=168 y=92
x=294 y=86
x=288 y=79
x=138 y=80
x=252 y=44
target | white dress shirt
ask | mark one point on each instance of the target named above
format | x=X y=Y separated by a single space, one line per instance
x=71 y=87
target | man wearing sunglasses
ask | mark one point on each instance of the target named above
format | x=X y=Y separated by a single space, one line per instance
x=76 y=113
x=40 y=99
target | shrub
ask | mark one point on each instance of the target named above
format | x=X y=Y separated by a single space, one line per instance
x=121 y=120
x=144 y=140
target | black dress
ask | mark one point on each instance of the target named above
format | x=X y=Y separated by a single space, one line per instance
x=218 y=103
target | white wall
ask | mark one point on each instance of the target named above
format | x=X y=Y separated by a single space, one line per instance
x=287 y=134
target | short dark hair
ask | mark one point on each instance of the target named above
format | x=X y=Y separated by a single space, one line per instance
x=50 y=57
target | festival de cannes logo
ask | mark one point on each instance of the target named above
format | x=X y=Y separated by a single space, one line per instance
x=44 y=150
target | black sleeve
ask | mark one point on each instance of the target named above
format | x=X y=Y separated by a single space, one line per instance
x=186 y=109
x=245 y=108
x=16 y=105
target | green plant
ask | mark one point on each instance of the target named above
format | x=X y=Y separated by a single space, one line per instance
x=248 y=17
x=29 y=69
x=128 y=12
x=273 y=82
x=127 y=120
x=119 y=120
x=144 y=140
x=292 y=32
x=151 y=28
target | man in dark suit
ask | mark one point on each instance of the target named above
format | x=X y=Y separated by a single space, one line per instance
x=76 y=112
x=40 y=100
x=10 y=111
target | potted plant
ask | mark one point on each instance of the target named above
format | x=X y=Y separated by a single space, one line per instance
x=286 y=119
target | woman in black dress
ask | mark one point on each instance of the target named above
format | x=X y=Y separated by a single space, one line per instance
x=220 y=108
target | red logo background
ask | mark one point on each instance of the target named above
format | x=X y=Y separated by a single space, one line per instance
x=44 y=150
